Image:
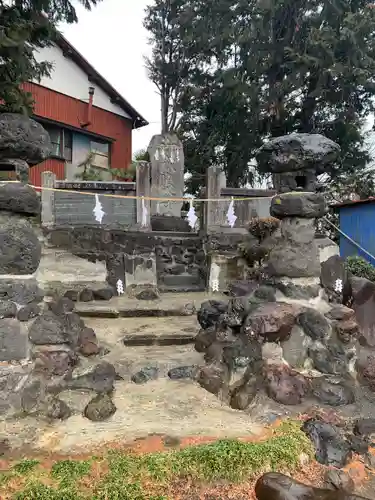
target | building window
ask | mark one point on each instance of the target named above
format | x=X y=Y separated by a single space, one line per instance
x=100 y=152
x=61 y=140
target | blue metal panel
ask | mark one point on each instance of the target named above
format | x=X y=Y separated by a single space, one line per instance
x=358 y=222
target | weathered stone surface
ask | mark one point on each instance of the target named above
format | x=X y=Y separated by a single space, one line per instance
x=210 y=311
x=295 y=204
x=334 y=278
x=100 y=408
x=347 y=331
x=20 y=291
x=23 y=138
x=48 y=329
x=364 y=427
x=297 y=152
x=238 y=309
x=169 y=223
x=32 y=395
x=295 y=348
x=265 y=293
x=272 y=354
x=366 y=369
x=363 y=305
x=88 y=343
x=181 y=372
x=285 y=385
x=55 y=360
x=314 y=324
x=28 y=312
x=330 y=447
x=271 y=322
x=242 y=287
x=73 y=325
x=205 y=338
x=339 y=480
x=20 y=167
x=332 y=394
x=20 y=249
x=8 y=309
x=19 y=198
x=242 y=396
x=243 y=352
x=145 y=375
x=295 y=254
x=333 y=359
x=103 y=294
x=293 y=291
x=340 y=312
x=213 y=378
x=13 y=340
x=148 y=294
x=61 y=306
x=99 y=378
x=58 y=410
x=277 y=486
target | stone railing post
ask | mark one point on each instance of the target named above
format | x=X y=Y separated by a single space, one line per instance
x=48 y=215
x=143 y=188
x=214 y=210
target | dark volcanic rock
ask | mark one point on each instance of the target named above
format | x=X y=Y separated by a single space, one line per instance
x=181 y=372
x=333 y=271
x=48 y=329
x=86 y=295
x=265 y=293
x=243 y=352
x=293 y=291
x=23 y=138
x=213 y=378
x=340 y=312
x=145 y=375
x=309 y=205
x=148 y=294
x=242 y=396
x=339 y=480
x=73 y=295
x=100 y=408
x=205 y=338
x=28 y=312
x=88 y=343
x=271 y=322
x=61 y=306
x=332 y=394
x=242 y=288
x=347 y=330
x=8 y=309
x=333 y=358
x=19 y=198
x=13 y=340
x=99 y=378
x=22 y=293
x=277 y=486
x=55 y=360
x=284 y=385
x=210 y=311
x=20 y=249
x=58 y=410
x=364 y=427
x=103 y=294
x=366 y=370
x=295 y=152
x=295 y=348
x=330 y=447
x=314 y=324
x=363 y=305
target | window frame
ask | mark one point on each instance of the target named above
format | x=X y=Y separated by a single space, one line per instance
x=101 y=154
x=63 y=132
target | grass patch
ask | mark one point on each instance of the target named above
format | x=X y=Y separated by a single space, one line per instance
x=127 y=476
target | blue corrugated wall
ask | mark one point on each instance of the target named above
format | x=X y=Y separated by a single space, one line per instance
x=358 y=222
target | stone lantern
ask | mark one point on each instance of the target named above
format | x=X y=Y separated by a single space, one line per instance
x=295 y=161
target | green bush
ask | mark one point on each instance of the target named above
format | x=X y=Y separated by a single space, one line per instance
x=360 y=267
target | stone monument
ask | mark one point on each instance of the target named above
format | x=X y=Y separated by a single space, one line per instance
x=295 y=161
x=167 y=175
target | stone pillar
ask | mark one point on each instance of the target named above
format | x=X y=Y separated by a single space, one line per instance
x=143 y=188
x=167 y=174
x=48 y=181
x=215 y=211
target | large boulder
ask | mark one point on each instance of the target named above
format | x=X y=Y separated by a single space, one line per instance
x=363 y=305
x=277 y=486
x=19 y=198
x=48 y=329
x=314 y=324
x=22 y=292
x=23 y=138
x=285 y=385
x=210 y=311
x=295 y=204
x=100 y=408
x=334 y=279
x=294 y=152
x=99 y=378
x=20 y=249
x=271 y=322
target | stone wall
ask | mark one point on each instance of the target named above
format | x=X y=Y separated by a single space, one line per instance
x=170 y=260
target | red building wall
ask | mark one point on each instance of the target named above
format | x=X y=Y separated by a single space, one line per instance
x=67 y=110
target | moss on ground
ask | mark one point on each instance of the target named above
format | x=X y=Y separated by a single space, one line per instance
x=127 y=476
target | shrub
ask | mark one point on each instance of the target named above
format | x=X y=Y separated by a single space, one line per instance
x=261 y=227
x=360 y=267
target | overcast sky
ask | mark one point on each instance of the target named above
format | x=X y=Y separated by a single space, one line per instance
x=112 y=38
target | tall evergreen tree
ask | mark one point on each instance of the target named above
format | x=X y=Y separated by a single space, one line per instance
x=25 y=26
x=264 y=68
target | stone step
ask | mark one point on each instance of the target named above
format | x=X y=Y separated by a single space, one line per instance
x=162 y=331
x=163 y=288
